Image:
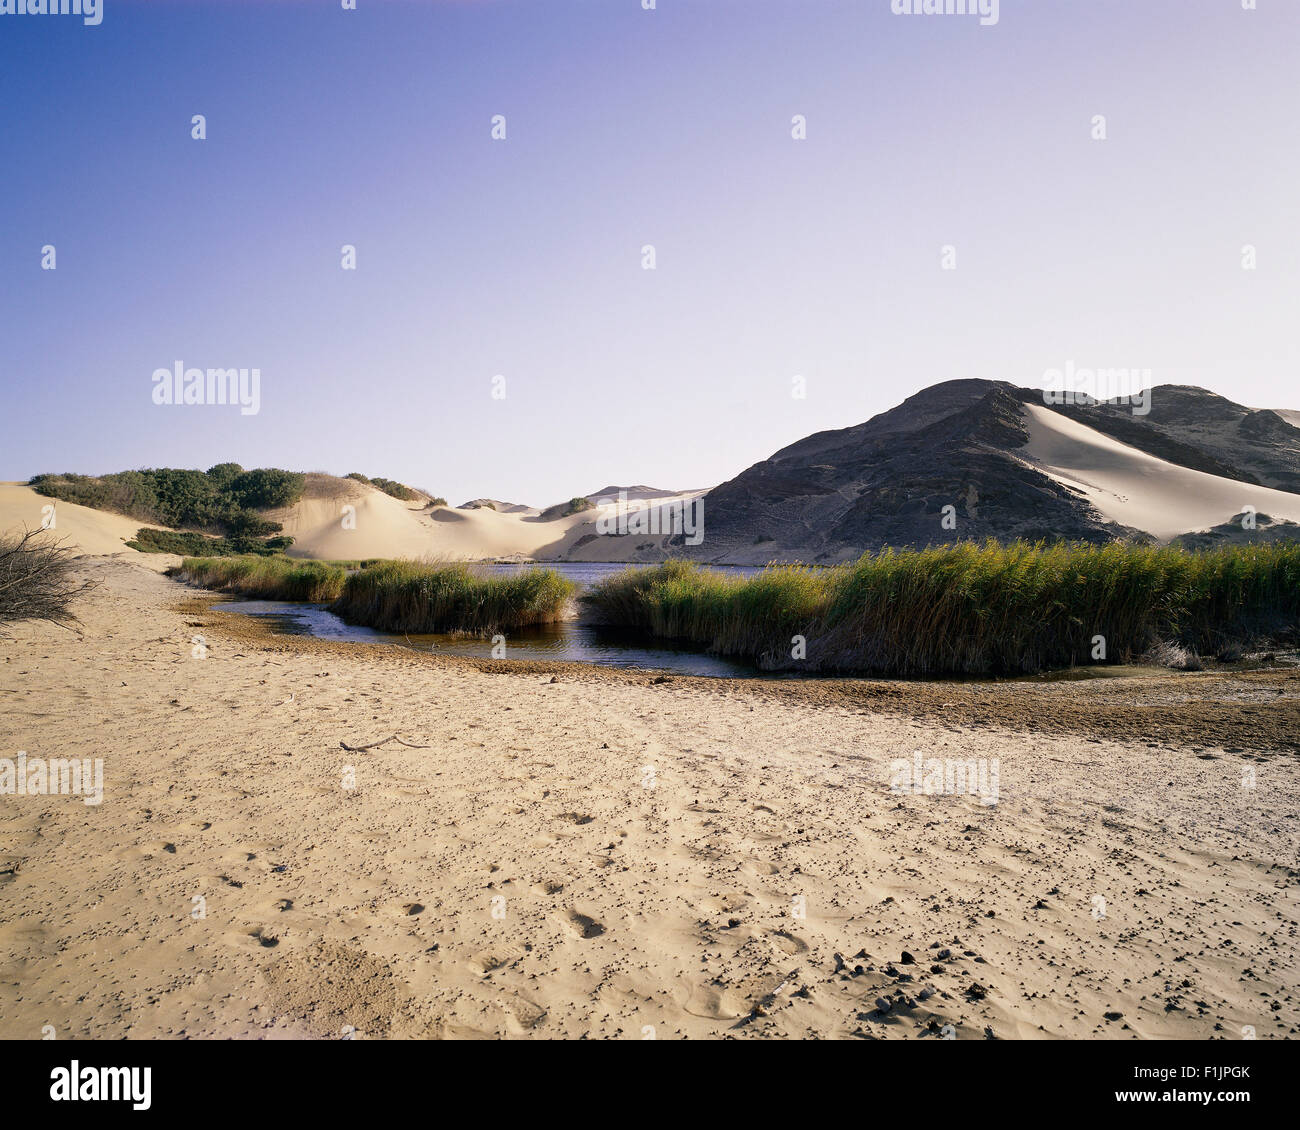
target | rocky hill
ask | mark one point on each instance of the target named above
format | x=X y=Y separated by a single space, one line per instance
x=972 y=459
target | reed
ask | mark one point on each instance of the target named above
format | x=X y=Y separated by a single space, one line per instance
x=968 y=609
x=264 y=578
x=408 y=596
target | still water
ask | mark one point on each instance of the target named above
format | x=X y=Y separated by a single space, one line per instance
x=568 y=641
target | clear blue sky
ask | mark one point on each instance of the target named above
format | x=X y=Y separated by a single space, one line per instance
x=625 y=127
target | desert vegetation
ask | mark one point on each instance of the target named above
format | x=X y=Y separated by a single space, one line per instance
x=397 y=596
x=189 y=543
x=225 y=499
x=968 y=609
x=37 y=581
x=407 y=596
x=264 y=578
x=388 y=486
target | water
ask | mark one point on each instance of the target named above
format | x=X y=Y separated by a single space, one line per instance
x=568 y=641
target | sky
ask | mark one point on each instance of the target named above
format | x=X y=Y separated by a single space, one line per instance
x=820 y=258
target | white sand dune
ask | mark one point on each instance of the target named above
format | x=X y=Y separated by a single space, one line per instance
x=338 y=518
x=1133 y=488
x=86 y=531
x=342 y=519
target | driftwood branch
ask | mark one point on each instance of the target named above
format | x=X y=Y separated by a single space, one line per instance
x=385 y=741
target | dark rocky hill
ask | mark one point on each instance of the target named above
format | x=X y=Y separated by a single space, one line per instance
x=835 y=494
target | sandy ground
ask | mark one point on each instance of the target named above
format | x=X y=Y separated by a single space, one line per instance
x=516 y=876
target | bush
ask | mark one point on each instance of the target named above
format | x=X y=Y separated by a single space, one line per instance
x=388 y=486
x=190 y=544
x=267 y=488
x=222 y=499
x=397 y=490
x=36 y=581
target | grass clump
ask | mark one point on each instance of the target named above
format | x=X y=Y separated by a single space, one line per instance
x=408 y=596
x=264 y=578
x=36 y=579
x=968 y=609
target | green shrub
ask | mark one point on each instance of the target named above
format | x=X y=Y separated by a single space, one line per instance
x=397 y=490
x=190 y=544
x=267 y=488
x=388 y=486
x=221 y=499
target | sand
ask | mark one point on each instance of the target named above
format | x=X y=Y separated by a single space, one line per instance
x=341 y=519
x=1133 y=488
x=85 y=530
x=515 y=877
x=377 y=525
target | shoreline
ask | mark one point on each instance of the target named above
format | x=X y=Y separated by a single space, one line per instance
x=1031 y=703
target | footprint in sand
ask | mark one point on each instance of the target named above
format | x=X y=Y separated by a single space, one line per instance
x=788 y=943
x=579 y=925
x=148 y=850
x=254 y=937
x=715 y=1004
x=489 y=961
x=758 y=868
x=522 y=1015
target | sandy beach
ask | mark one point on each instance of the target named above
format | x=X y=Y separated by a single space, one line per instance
x=563 y=851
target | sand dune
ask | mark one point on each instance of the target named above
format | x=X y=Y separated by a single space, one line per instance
x=87 y=531
x=339 y=518
x=343 y=519
x=1133 y=488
